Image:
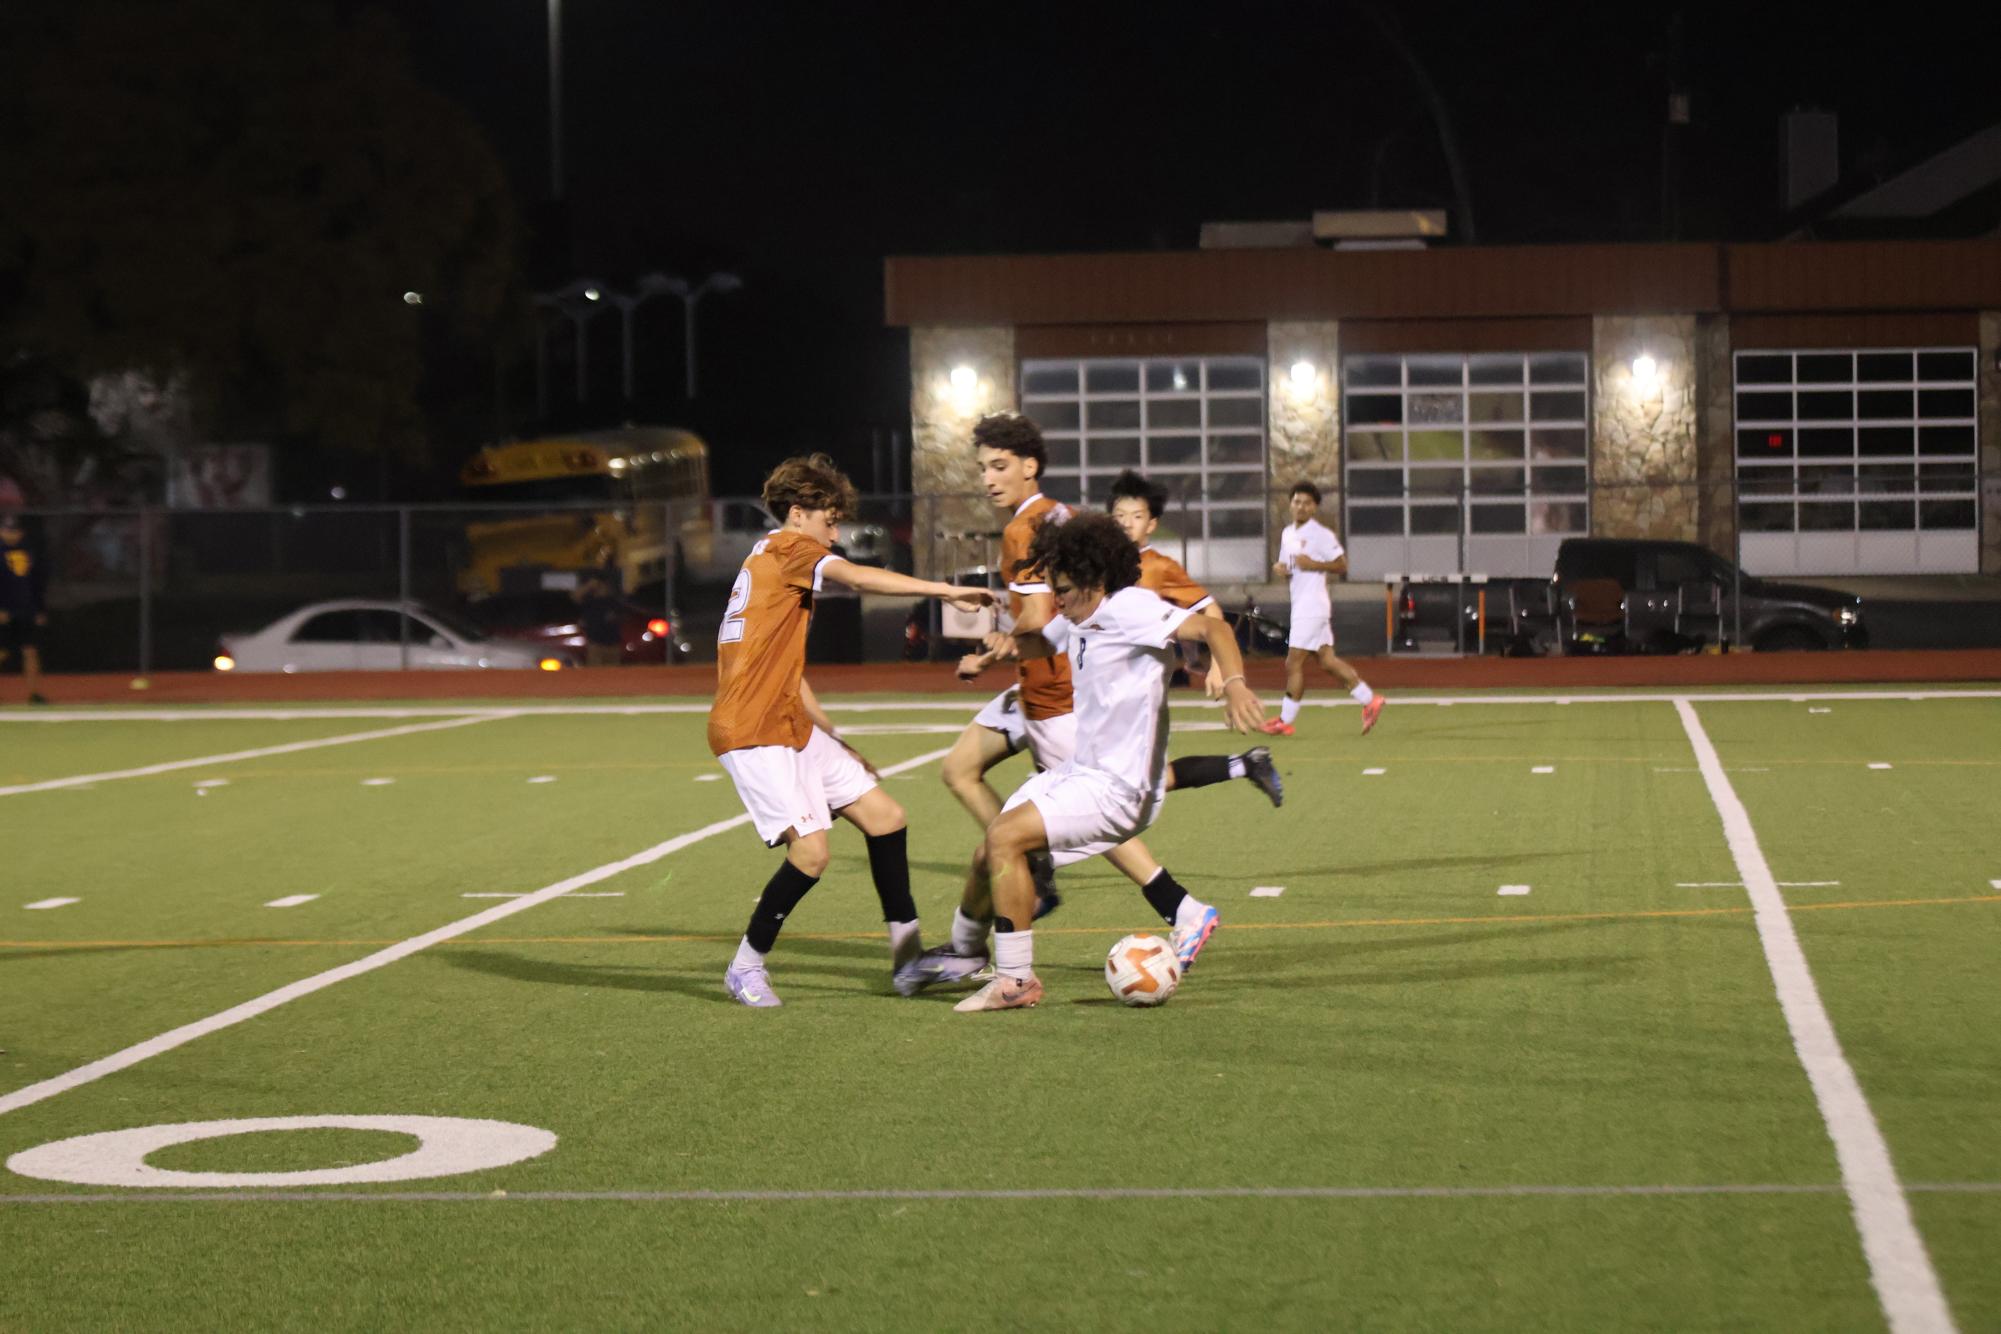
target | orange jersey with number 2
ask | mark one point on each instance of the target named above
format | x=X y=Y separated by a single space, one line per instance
x=761 y=646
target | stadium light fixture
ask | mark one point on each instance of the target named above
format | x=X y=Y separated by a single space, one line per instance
x=1645 y=371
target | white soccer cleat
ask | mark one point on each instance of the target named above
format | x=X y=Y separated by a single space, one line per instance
x=751 y=986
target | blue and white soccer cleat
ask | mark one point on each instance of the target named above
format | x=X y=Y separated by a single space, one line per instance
x=751 y=986
x=1189 y=940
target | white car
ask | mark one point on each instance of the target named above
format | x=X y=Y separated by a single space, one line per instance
x=362 y=636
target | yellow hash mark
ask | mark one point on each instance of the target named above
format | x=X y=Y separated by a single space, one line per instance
x=1495 y=919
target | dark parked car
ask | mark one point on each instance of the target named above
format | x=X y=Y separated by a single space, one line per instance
x=1636 y=595
x=551 y=617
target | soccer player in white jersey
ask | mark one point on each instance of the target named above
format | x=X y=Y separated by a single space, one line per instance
x=1119 y=639
x=1308 y=552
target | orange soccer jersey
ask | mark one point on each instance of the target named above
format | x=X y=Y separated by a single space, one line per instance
x=1164 y=575
x=761 y=647
x=1045 y=682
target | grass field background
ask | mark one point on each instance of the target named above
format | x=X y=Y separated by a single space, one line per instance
x=1391 y=1023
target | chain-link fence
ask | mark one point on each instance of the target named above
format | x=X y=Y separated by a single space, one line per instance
x=152 y=590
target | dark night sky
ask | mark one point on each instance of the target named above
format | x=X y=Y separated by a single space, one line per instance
x=799 y=145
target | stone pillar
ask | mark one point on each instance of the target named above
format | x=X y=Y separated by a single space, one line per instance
x=1305 y=419
x=1990 y=442
x=1715 y=435
x=1643 y=435
x=943 y=473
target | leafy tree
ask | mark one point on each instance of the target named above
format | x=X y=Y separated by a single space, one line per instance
x=236 y=197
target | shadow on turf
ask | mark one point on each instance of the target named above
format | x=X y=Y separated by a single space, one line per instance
x=705 y=984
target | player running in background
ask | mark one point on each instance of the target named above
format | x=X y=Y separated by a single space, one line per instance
x=24 y=578
x=1119 y=637
x=1308 y=552
x=1136 y=506
x=794 y=776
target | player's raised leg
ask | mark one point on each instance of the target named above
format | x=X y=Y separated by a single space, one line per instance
x=1192 y=920
x=1254 y=765
x=1352 y=682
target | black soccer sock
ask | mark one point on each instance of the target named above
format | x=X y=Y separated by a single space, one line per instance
x=889 y=863
x=781 y=895
x=1200 y=770
x=1164 y=893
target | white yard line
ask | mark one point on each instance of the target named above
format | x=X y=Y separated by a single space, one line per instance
x=203 y=761
x=271 y=1000
x=967 y=705
x=1899 y=1267
x=503 y=1199
x=291 y=901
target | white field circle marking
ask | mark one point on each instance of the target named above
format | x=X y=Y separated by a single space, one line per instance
x=446 y=1146
x=40 y=905
x=1267 y=891
x=291 y=901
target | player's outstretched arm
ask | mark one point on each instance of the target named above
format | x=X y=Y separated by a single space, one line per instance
x=1244 y=711
x=874 y=579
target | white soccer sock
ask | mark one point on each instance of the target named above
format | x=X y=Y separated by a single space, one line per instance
x=1014 y=953
x=902 y=934
x=746 y=955
x=1189 y=912
x=1236 y=766
x=1362 y=693
x=1288 y=711
x=969 y=937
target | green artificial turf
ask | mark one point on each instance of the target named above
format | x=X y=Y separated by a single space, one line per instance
x=1390 y=1022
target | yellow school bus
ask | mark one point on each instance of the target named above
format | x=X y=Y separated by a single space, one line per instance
x=609 y=495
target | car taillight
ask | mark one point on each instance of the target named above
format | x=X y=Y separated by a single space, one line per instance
x=658 y=628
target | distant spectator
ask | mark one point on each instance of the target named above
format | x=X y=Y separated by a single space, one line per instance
x=603 y=618
x=24 y=579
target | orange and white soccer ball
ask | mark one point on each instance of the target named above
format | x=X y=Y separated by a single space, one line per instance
x=1142 y=970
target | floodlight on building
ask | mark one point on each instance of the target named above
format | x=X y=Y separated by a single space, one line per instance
x=1645 y=371
x=1304 y=375
x=964 y=380
x=1180 y=378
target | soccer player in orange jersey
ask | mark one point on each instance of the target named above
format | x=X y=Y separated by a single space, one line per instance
x=1136 y=505
x=793 y=776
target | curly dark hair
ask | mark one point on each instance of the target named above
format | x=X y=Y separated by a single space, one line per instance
x=1090 y=550
x=812 y=482
x=1014 y=433
x=1305 y=488
x=1129 y=485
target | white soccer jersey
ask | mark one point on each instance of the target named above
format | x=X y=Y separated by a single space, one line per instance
x=1120 y=659
x=1309 y=587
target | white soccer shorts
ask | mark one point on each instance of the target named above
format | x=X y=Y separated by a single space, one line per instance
x=1050 y=741
x=1312 y=634
x=1084 y=811
x=783 y=788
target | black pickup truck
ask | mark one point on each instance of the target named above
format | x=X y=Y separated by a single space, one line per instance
x=1640 y=595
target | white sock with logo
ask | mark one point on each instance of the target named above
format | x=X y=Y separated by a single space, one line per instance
x=1362 y=693
x=1288 y=712
x=969 y=938
x=746 y=955
x=1189 y=912
x=1014 y=953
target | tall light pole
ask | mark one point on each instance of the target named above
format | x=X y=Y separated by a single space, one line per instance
x=578 y=302
x=556 y=99
x=691 y=296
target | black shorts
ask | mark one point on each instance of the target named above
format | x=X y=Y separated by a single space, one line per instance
x=20 y=631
